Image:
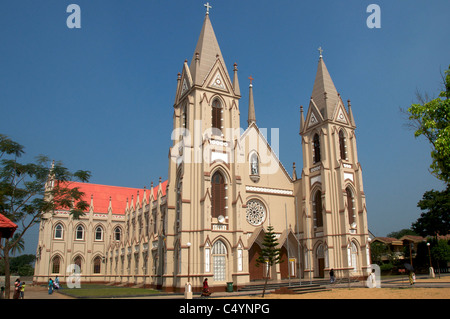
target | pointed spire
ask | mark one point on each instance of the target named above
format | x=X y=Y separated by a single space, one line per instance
x=208 y=51
x=324 y=92
x=294 y=172
x=302 y=119
x=251 y=104
x=350 y=113
x=236 y=88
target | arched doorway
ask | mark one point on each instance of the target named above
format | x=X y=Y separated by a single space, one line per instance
x=284 y=266
x=320 y=261
x=256 y=272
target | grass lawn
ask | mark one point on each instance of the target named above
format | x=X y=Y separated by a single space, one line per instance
x=98 y=291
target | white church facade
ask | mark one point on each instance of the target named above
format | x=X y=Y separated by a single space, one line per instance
x=224 y=188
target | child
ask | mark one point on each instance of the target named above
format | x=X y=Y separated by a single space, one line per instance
x=22 y=290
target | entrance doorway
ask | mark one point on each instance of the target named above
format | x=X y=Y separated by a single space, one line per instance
x=256 y=272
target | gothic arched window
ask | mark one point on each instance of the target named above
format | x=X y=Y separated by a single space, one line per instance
x=58 y=232
x=56 y=264
x=79 y=234
x=99 y=233
x=219 y=254
x=317 y=209
x=218 y=195
x=316 y=144
x=342 y=145
x=350 y=206
x=216 y=117
x=185 y=117
x=97 y=264
x=117 y=233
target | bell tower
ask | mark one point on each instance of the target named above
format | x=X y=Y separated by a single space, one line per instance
x=202 y=170
x=333 y=196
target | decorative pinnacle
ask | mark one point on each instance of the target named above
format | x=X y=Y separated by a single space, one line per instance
x=320 y=51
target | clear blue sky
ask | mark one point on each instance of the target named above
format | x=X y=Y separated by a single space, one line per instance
x=101 y=97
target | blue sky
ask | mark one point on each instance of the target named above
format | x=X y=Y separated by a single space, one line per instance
x=101 y=97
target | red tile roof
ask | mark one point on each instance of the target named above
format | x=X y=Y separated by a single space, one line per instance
x=102 y=195
x=7 y=227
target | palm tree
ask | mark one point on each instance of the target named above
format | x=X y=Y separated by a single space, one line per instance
x=19 y=245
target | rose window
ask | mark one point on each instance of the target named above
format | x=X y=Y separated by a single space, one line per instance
x=256 y=213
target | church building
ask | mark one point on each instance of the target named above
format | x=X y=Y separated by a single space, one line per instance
x=225 y=186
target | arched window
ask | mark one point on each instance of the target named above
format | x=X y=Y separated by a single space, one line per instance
x=77 y=261
x=353 y=256
x=117 y=233
x=216 y=115
x=219 y=253
x=185 y=117
x=316 y=150
x=97 y=264
x=317 y=209
x=218 y=195
x=254 y=164
x=178 y=205
x=350 y=206
x=58 y=232
x=99 y=234
x=56 y=265
x=79 y=233
x=342 y=145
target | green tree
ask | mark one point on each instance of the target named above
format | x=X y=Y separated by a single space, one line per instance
x=31 y=191
x=436 y=216
x=431 y=119
x=270 y=254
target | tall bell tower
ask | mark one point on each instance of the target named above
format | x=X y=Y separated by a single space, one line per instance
x=202 y=170
x=334 y=206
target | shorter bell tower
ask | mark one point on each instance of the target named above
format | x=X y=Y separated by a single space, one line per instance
x=334 y=204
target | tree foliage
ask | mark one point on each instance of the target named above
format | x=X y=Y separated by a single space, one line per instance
x=431 y=119
x=270 y=254
x=436 y=216
x=31 y=191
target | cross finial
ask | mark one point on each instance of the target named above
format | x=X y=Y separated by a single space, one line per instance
x=251 y=79
x=207 y=7
x=320 y=51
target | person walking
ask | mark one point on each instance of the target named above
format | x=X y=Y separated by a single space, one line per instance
x=332 y=277
x=205 y=291
x=50 y=286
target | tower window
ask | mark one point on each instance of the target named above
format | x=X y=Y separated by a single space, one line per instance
x=342 y=145
x=316 y=149
x=185 y=117
x=216 y=116
x=350 y=206
x=218 y=195
x=317 y=209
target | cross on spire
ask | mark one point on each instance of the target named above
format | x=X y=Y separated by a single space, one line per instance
x=207 y=7
x=251 y=79
x=320 y=51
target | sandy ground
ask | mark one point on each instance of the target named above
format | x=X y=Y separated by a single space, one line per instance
x=365 y=293
x=404 y=292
